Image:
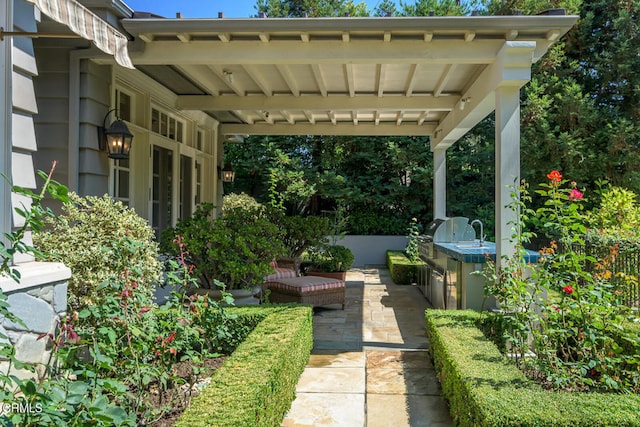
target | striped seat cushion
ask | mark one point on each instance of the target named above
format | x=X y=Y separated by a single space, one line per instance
x=303 y=285
x=280 y=273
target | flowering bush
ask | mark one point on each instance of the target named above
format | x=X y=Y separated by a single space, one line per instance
x=88 y=237
x=564 y=310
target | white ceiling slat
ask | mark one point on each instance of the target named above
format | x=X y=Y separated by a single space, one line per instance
x=332 y=117
x=224 y=37
x=304 y=37
x=259 y=80
x=349 y=79
x=469 y=36
x=202 y=75
x=289 y=79
x=387 y=36
x=444 y=78
x=511 y=35
x=422 y=117
x=354 y=117
x=227 y=78
x=553 y=35
x=346 y=37
x=309 y=115
x=317 y=73
x=184 y=37
x=264 y=37
x=428 y=36
x=243 y=116
x=399 y=118
x=411 y=80
x=288 y=117
x=381 y=70
x=147 y=38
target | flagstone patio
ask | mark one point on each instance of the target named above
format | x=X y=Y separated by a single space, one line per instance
x=369 y=366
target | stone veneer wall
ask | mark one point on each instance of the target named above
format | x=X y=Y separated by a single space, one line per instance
x=40 y=300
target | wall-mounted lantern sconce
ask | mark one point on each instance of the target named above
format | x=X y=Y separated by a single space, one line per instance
x=226 y=174
x=116 y=140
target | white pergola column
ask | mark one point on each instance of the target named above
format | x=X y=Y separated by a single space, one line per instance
x=218 y=161
x=507 y=160
x=439 y=183
x=6 y=108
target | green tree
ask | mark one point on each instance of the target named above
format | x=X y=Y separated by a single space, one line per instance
x=311 y=8
x=438 y=7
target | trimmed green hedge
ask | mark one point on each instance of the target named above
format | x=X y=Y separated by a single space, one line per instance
x=402 y=271
x=485 y=389
x=256 y=384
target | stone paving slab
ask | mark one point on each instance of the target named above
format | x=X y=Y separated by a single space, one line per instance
x=397 y=410
x=327 y=409
x=369 y=366
x=332 y=379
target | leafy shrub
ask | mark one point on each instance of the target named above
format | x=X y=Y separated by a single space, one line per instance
x=87 y=236
x=413 y=231
x=234 y=200
x=402 y=270
x=234 y=249
x=484 y=388
x=47 y=397
x=256 y=385
x=370 y=222
x=618 y=213
x=300 y=232
x=328 y=258
x=129 y=346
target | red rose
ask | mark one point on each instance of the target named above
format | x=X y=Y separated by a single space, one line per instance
x=568 y=289
x=554 y=176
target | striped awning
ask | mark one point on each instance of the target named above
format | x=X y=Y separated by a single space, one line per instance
x=88 y=25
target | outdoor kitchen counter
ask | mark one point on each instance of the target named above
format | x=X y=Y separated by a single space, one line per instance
x=468 y=252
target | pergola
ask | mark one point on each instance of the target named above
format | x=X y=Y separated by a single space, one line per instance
x=435 y=76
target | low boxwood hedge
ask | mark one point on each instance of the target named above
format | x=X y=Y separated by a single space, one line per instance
x=256 y=384
x=401 y=269
x=484 y=388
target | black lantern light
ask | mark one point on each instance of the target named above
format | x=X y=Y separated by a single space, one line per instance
x=226 y=174
x=117 y=139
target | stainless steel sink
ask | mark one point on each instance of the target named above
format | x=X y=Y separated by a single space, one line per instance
x=471 y=246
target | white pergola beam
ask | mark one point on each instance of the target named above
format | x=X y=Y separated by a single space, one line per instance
x=512 y=68
x=332 y=52
x=289 y=79
x=315 y=102
x=324 y=128
x=259 y=80
x=319 y=78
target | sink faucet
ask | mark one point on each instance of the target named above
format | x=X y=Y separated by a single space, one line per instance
x=481 y=229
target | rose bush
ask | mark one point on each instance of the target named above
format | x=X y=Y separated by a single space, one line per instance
x=564 y=311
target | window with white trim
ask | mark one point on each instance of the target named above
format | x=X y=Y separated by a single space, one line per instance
x=167 y=125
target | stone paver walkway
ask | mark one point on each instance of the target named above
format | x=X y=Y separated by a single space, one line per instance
x=369 y=366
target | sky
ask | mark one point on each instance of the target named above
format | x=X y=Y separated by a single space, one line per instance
x=203 y=8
